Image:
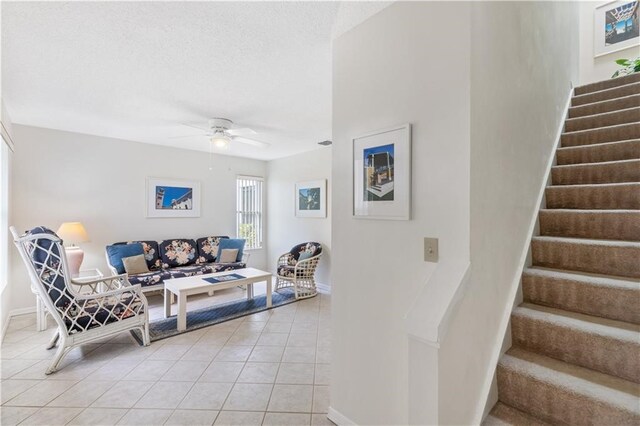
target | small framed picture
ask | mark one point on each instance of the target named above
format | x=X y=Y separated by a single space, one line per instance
x=616 y=27
x=311 y=198
x=382 y=174
x=173 y=198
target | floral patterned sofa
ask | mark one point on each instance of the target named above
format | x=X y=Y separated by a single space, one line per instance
x=178 y=258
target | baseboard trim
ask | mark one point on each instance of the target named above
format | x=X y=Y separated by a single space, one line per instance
x=325 y=288
x=481 y=408
x=15 y=313
x=339 y=418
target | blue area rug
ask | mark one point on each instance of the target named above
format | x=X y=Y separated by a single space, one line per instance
x=216 y=314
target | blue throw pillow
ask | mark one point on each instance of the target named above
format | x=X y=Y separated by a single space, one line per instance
x=117 y=251
x=231 y=243
x=305 y=255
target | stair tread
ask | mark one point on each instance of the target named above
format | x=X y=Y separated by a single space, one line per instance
x=503 y=414
x=596 y=145
x=618 y=330
x=615 y=82
x=602 y=114
x=609 y=389
x=595 y=184
x=587 y=241
x=598 y=164
x=600 y=129
x=594 y=279
x=609 y=90
x=591 y=211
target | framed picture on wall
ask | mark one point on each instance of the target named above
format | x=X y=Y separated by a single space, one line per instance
x=616 y=27
x=382 y=174
x=173 y=198
x=311 y=198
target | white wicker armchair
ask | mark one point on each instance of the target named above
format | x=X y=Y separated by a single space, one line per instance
x=292 y=271
x=84 y=311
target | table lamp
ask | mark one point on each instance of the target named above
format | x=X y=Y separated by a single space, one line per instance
x=73 y=233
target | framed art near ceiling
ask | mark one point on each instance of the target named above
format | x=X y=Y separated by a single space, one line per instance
x=616 y=27
x=173 y=198
x=311 y=198
x=382 y=174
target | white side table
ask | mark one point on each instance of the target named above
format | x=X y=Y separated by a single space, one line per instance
x=41 y=310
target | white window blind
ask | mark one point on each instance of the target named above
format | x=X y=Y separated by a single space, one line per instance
x=249 y=210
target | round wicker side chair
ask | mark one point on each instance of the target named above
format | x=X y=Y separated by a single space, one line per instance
x=297 y=269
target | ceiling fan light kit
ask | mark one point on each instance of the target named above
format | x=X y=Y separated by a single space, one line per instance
x=221 y=134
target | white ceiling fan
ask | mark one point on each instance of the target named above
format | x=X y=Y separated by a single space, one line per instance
x=221 y=133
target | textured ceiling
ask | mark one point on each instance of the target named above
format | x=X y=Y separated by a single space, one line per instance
x=137 y=70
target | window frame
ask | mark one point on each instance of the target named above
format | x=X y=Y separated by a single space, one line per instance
x=257 y=202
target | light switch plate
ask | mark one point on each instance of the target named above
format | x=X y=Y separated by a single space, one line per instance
x=430 y=249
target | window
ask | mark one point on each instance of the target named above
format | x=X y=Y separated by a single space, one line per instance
x=249 y=210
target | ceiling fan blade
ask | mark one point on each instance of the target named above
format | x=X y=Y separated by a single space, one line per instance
x=240 y=132
x=252 y=142
x=187 y=136
x=206 y=129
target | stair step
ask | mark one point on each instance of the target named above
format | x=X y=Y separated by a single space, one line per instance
x=600 y=296
x=619 y=132
x=607 y=84
x=613 y=118
x=559 y=392
x=602 y=172
x=504 y=415
x=615 y=258
x=595 y=196
x=604 y=106
x=601 y=344
x=608 y=151
x=594 y=224
x=606 y=94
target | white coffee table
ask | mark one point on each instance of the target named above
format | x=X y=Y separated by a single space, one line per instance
x=187 y=286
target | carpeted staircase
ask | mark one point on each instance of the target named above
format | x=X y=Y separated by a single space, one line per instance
x=575 y=355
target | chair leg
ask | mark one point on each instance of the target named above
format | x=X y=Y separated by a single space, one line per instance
x=60 y=353
x=54 y=340
x=146 y=340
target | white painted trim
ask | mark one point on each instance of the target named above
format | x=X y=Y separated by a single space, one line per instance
x=339 y=418
x=15 y=313
x=515 y=284
x=325 y=288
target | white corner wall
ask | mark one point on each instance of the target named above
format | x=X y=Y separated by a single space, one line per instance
x=408 y=63
x=519 y=87
x=61 y=176
x=286 y=230
x=601 y=68
x=5 y=193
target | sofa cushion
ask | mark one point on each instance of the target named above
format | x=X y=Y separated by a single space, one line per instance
x=228 y=255
x=150 y=278
x=116 y=252
x=289 y=271
x=177 y=252
x=232 y=243
x=311 y=247
x=135 y=264
x=208 y=248
x=151 y=253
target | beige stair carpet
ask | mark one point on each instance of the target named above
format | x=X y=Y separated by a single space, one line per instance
x=575 y=355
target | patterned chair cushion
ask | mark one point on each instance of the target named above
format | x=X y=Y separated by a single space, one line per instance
x=94 y=315
x=53 y=274
x=208 y=248
x=311 y=247
x=178 y=252
x=150 y=251
x=289 y=271
x=150 y=278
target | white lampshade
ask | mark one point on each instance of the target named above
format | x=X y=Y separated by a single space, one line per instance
x=73 y=233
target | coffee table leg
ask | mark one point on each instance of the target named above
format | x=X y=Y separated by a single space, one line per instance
x=182 y=312
x=167 y=303
x=249 y=291
x=269 y=292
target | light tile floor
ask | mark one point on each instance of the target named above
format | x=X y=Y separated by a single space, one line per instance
x=269 y=368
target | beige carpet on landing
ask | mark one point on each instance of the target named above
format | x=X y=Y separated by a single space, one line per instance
x=575 y=355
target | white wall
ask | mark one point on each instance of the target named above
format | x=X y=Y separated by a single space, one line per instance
x=5 y=197
x=286 y=230
x=408 y=63
x=600 y=68
x=62 y=177
x=519 y=87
